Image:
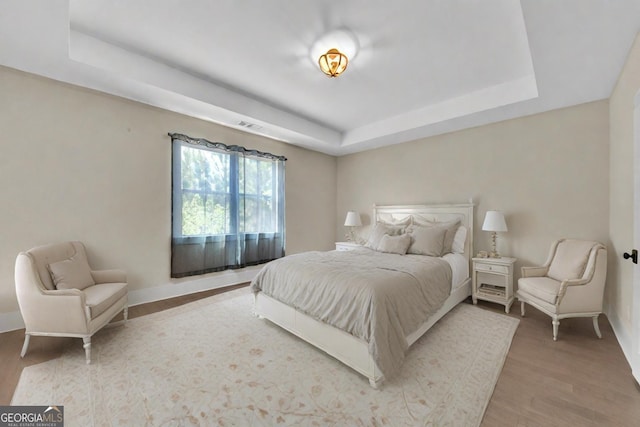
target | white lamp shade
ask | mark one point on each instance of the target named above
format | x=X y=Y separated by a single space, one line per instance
x=494 y=221
x=352 y=219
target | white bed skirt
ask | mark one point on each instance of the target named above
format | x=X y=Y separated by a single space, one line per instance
x=351 y=351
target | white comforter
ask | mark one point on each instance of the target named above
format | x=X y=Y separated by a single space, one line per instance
x=380 y=298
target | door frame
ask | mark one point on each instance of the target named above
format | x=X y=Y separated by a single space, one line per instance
x=635 y=291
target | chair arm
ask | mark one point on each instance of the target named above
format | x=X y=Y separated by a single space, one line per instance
x=65 y=292
x=564 y=285
x=534 y=271
x=590 y=270
x=109 y=276
x=60 y=311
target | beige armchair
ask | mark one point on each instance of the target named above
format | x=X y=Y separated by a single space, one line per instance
x=569 y=284
x=59 y=295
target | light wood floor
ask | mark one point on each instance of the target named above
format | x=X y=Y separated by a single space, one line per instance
x=577 y=381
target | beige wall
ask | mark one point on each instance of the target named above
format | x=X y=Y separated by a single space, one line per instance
x=620 y=277
x=548 y=173
x=78 y=164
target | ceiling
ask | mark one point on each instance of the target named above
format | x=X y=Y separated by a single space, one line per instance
x=423 y=67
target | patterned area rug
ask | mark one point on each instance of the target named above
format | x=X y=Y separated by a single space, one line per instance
x=211 y=362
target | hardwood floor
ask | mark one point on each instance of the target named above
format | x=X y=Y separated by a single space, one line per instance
x=578 y=380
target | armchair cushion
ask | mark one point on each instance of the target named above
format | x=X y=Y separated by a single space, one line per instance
x=570 y=259
x=100 y=297
x=543 y=288
x=71 y=273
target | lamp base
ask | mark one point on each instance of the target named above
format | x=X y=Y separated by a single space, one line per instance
x=350 y=236
x=494 y=253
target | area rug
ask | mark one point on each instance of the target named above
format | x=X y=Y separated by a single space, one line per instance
x=211 y=362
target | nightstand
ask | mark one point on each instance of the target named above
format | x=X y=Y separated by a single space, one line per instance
x=347 y=246
x=492 y=280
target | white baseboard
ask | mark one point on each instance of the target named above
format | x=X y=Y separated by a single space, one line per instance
x=13 y=320
x=214 y=281
x=621 y=333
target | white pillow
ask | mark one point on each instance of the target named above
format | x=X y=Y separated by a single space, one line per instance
x=460 y=237
x=380 y=230
x=72 y=273
x=388 y=219
x=394 y=244
x=427 y=240
x=421 y=221
x=450 y=226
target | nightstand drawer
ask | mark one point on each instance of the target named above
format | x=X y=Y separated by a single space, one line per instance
x=493 y=268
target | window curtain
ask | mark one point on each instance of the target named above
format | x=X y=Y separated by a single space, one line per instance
x=227 y=206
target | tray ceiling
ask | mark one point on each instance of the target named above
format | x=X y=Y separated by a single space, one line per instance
x=422 y=68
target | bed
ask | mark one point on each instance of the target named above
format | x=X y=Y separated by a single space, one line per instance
x=287 y=293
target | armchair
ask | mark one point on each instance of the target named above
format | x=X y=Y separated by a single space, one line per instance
x=569 y=284
x=59 y=295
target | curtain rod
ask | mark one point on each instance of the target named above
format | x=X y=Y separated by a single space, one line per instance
x=225 y=147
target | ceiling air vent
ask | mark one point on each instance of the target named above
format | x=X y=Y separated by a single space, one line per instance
x=248 y=125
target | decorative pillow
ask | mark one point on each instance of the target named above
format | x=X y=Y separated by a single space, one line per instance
x=450 y=226
x=72 y=273
x=394 y=244
x=459 y=239
x=450 y=233
x=570 y=260
x=380 y=230
x=427 y=240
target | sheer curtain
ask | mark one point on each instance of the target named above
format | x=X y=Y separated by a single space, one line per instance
x=227 y=206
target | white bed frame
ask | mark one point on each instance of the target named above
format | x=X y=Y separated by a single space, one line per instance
x=353 y=351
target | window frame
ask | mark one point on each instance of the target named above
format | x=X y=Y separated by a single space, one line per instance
x=233 y=235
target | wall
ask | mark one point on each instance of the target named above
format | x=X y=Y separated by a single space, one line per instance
x=620 y=272
x=548 y=173
x=81 y=165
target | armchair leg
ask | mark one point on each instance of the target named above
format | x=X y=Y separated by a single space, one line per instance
x=555 y=323
x=87 y=348
x=596 y=327
x=25 y=346
x=522 y=311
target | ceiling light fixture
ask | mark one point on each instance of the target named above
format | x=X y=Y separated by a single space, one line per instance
x=333 y=62
x=333 y=51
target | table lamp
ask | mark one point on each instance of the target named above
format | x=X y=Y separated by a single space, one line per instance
x=352 y=220
x=494 y=222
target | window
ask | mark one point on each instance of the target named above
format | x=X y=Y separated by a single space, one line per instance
x=228 y=207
